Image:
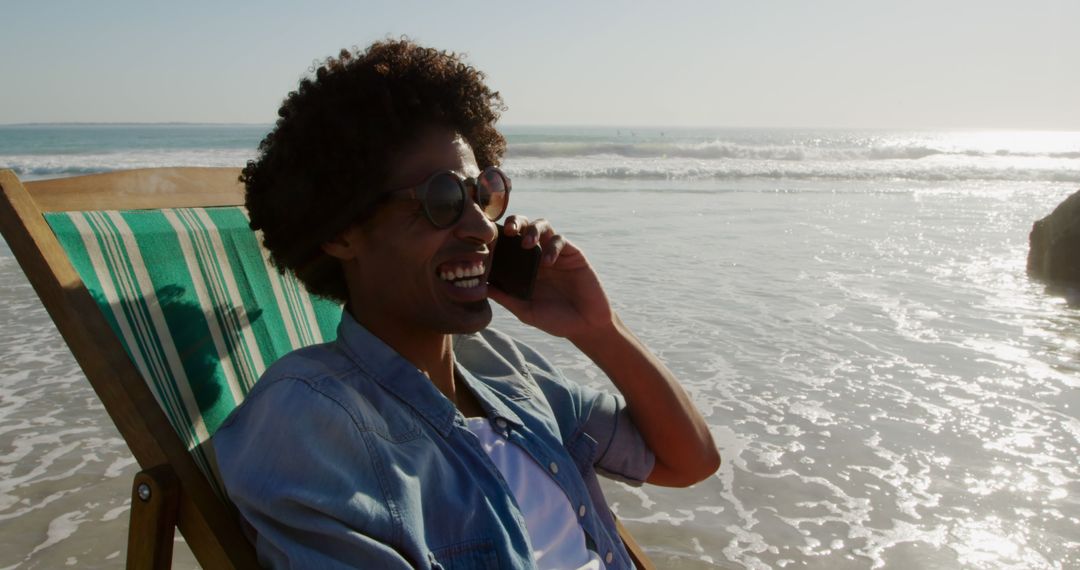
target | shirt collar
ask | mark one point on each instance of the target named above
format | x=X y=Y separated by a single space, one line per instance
x=493 y=405
x=395 y=374
x=398 y=376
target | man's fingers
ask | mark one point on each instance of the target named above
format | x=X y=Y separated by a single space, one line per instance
x=514 y=224
x=538 y=232
x=535 y=232
x=553 y=249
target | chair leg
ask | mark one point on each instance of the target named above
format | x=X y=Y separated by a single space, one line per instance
x=155 y=503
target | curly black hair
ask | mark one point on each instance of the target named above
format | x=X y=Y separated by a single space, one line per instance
x=328 y=158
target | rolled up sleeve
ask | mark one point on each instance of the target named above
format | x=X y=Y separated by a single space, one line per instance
x=593 y=427
x=621 y=452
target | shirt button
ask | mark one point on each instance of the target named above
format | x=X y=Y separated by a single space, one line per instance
x=554 y=468
x=581 y=511
x=610 y=556
x=501 y=423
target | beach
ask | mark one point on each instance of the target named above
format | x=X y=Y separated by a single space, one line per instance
x=849 y=310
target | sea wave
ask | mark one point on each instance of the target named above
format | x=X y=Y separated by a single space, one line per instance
x=743 y=163
x=728 y=150
x=778 y=169
x=53 y=165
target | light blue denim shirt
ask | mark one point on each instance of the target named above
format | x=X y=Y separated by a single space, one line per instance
x=344 y=455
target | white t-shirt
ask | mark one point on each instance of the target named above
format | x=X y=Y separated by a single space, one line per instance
x=557 y=539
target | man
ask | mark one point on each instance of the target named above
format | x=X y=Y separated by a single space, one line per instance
x=419 y=438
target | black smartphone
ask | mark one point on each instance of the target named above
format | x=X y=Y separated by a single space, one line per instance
x=513 y=268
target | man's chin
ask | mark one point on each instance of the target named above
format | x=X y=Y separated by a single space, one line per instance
x=476 y=317
x=481 y=306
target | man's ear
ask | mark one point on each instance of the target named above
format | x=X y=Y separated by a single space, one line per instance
x=344 y=246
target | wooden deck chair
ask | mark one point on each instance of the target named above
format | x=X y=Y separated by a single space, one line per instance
x=171 y=308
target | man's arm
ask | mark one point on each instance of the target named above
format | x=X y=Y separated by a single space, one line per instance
x=661 y=409
x=569 y=301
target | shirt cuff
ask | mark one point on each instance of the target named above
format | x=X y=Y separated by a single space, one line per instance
x=622 y=453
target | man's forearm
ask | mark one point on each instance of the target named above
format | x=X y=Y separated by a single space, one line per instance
x=661 y=409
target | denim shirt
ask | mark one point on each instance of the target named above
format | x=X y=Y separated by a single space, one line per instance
x=344 y=455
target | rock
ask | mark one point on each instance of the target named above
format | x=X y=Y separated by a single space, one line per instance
x=1054 y=253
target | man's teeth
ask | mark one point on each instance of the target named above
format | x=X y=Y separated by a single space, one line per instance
x=467 y=283
x=462 y=272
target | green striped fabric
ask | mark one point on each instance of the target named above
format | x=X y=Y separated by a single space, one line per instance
x=194 y=300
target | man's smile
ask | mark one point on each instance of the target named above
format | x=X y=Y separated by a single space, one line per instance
x=464 y=274
x=464 y=278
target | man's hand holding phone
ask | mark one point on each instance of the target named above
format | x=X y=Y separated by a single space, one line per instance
x=567 y=298
x=568 y=301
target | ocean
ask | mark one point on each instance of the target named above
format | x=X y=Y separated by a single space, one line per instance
x=848 y=308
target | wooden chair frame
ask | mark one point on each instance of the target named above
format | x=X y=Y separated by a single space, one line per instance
x=171 y=491
x=178 y=489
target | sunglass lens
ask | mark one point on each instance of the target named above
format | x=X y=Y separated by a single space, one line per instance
x=445 y=200
x=492 y=193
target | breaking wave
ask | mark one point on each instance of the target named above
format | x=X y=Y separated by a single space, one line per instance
x=685 y=169
x=769 y=165
x=29 y=166
x=728 y=150
x=606 y=154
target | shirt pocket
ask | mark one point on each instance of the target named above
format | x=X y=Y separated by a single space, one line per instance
x=469 y=555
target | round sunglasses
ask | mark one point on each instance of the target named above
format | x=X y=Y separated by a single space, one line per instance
x=442 y=195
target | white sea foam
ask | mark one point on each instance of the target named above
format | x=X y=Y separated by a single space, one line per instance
x=823 y=156
x=116 y=513
x=718 y=149
x=54 y=165
x=943 y=170
x=827 y=155
x=60 y=528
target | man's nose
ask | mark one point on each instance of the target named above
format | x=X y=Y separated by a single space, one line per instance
x=474 y=224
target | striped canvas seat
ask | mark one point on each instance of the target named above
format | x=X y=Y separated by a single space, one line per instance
x=195 y=302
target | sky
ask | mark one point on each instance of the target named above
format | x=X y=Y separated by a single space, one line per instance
x=845 y=64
